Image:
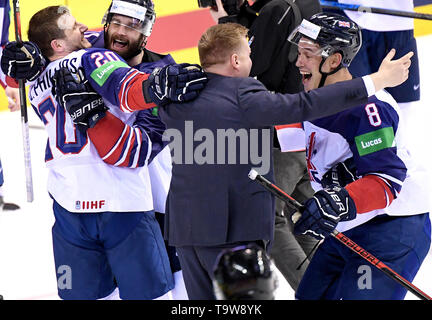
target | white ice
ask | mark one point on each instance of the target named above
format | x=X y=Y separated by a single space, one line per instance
x=27 y=269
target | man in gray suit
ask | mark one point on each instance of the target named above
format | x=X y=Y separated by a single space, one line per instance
x=212 y=204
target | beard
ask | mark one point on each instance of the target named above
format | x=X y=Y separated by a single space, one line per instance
x=130 y=49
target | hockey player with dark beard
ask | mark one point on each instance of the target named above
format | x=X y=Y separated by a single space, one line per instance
x=128 y=37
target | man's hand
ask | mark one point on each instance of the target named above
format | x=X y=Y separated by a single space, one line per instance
x=22 y=61
x=13 y=97
x=323 y=212
x=392 y=73
x=85 y=106
x=218 y=12
x=174 y=83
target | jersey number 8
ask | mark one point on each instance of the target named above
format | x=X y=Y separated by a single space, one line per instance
x=373 y=115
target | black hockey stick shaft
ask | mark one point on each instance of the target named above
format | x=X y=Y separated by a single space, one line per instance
x=23 y=106
x=359 y=8
x=278 y=192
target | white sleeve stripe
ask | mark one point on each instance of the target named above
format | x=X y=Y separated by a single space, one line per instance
x=138 y=149
x=126 y=100
x=150 y=145
x=124 y=82
x=125 y=89
x=381 y=178
x=126 y=150
x=116 y=145
x=385 y=176
x=387 y=200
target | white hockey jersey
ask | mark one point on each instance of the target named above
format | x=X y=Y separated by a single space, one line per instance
x=373 y=137
x=79 y=180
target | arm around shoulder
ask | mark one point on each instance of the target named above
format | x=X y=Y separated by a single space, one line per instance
x=263 y=108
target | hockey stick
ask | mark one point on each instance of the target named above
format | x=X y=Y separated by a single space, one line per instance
x=275 y=190
x=362 y=9
x=23 y=105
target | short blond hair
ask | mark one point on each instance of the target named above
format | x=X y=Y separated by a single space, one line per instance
x=219 y=42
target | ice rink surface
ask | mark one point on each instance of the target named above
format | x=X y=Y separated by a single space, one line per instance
x=27 y=269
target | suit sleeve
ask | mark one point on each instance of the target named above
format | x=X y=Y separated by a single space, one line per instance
x=263 y=108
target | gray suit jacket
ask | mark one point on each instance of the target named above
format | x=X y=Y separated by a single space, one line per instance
x=215 y=202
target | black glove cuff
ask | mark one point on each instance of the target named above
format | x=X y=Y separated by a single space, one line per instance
x=95 y=117
x=145 y=88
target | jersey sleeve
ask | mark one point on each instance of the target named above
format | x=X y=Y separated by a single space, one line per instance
x=371 y=134
x=149 y=121
x=119 y=144
x=370 y=193
x=133 y=146
x=115 y=81
x=370 y=131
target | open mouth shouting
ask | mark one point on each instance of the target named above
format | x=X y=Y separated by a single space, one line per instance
x=119 y=44
x=306 y=79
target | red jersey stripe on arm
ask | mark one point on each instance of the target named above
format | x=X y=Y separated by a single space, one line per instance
x=131 y=94
x=370 y=193
x=105 y=136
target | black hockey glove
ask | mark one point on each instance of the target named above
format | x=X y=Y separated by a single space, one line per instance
x=85 y=106
x=323 y=212
x=341 y=174
x=22 y=61
x=174 y=83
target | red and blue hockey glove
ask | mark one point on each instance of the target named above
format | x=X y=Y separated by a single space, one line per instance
x=323 y=212
x=174 y=83
x=85 y=106
x=22 y=61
